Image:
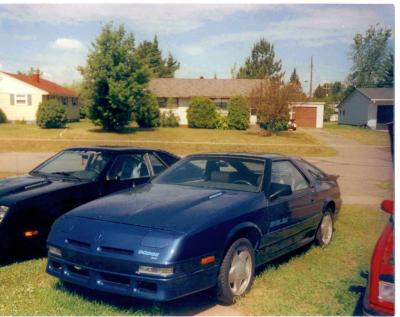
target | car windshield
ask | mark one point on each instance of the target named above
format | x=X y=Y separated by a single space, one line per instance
x=74 y=164
x=216 y=172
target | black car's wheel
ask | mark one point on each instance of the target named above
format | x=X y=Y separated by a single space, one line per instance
x=324 y=234
x=236 y=273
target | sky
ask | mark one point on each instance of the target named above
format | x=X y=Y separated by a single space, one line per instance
x=206 y=39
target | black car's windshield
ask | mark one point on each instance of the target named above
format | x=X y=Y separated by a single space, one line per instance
x=74 y=164
x=216 y=172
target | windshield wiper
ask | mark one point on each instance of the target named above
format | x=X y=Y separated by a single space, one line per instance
x=66 y=174
x=40 y=174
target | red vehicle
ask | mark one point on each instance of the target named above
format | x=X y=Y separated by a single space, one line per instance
x=379 y=295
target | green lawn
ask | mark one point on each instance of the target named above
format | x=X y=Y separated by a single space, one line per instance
x=26 y=137
x=311 y=282
x=362 y=135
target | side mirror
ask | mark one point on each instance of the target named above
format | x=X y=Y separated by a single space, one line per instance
x=278 y=190
x=387 y=205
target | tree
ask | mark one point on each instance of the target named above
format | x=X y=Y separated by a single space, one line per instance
x=388 y=79
x=319 y=92
x=295 y=79
x=369 y=53
x=202 y=113
x=262 y=63
x=147 y=111
x=271 y=99
x=150 y=54
x=51 y=114
x=115 y=78
x=295 y=90
x=238 y=113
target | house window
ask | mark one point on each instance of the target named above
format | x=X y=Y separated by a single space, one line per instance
x=64 y=101
x=253 y=111
x=21 y=99
x=74 y=101
x=221 y=104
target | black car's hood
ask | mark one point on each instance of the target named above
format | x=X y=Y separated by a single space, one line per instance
x=168 y=207
x=28 y=185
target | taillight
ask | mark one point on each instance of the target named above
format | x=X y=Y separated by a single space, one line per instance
x=381 y=283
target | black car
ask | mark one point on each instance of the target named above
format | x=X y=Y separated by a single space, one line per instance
x=208 y=221
x=30 y=204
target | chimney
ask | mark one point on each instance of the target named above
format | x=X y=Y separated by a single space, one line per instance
x=36 y=76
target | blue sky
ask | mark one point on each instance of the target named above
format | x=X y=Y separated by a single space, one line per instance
x=205 y=38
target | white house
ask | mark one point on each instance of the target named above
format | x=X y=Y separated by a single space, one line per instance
x=220 y=91
x=371 y=107
x=20 y=96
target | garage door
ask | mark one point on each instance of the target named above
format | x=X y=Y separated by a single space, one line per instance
x=306 y=117
x=384 y=115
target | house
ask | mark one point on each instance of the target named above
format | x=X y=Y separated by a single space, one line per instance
x=20 y=96
x=181 y=90
x=371 y=107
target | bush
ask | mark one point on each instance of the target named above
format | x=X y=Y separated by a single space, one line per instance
x=222 y=122
x=276 y=126
x=202 y=113
x=51 y=114
x=3 y=117
x=169 y=119
x=238 y=113
x=147 y=112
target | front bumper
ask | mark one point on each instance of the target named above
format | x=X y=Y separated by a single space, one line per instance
x=134 y=285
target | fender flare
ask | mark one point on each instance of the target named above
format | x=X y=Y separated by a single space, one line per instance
x=239 y=227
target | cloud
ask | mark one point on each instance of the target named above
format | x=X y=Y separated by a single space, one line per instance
x=311 y=27
x=152 y=18
x=192 y=50
x=67 y=44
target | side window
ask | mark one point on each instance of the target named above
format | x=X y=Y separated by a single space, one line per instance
x=128 y=166
x=284 y=172
x=158 y=166
x=314 y=171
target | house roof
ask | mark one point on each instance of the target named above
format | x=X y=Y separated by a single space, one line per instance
x=376 y=94
x=44 y=84
x=211 y=88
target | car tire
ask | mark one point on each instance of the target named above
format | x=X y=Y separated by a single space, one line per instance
x=325 y=230
x=236 y=273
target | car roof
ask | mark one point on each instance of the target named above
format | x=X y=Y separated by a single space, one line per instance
x=269 y=156
x=116 y=149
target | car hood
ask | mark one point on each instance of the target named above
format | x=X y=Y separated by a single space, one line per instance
x=168 y=207
x=27 y=185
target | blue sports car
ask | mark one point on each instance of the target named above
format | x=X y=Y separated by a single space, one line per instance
x=208 y=221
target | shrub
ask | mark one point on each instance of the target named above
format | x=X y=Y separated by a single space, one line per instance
x=51 y=114
x=238 y=113
x=278 y=125
x=169 y=119
x=3 y=117
x=147 y=112
x=222 y=122
x=202 y=113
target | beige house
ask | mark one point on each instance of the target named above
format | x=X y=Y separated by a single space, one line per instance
x=20 y=96
x=306 y=114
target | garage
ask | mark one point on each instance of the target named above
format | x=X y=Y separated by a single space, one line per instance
x=308 y=115
x=384 y=115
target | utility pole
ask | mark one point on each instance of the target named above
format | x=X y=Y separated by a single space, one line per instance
x=311 y=73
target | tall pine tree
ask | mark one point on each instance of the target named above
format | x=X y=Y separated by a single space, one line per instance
x=262 y=63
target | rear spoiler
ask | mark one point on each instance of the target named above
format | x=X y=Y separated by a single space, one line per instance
x=330 y=177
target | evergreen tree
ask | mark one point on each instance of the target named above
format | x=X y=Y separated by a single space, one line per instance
x=294 y=78
x=150 y=54
x=319 y=92
x=115 y=78
x=262 y=63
